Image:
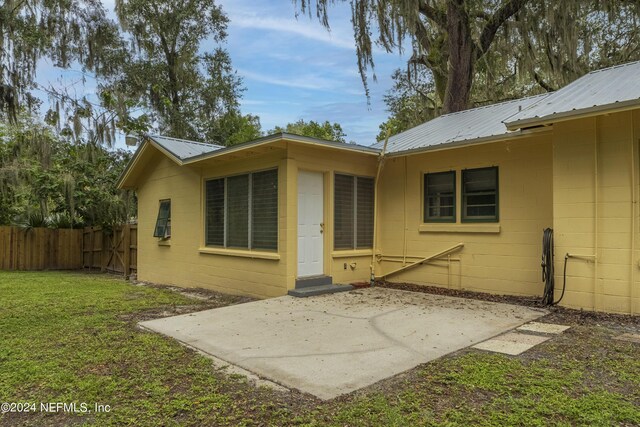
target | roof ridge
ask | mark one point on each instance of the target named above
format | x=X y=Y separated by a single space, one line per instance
x=626 y=64
x=540 y=95
x=207 y=144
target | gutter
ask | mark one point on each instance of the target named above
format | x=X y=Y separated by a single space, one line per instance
x=574 y=114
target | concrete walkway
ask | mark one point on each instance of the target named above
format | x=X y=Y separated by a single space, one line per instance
x=329 y=345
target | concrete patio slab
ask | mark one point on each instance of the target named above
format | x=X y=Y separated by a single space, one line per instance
x=329 y=345
x=512 y=343
x=543 y=328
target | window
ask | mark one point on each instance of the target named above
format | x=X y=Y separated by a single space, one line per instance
x=353 y=212
x=480 y=195
x=242 y=211
x=440 y=197
x=163 y=223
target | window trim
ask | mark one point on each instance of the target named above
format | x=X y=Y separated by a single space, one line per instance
x=354 y=246
x=167 y=221
x=463 y=217
x=234 y=250
x=425 y=208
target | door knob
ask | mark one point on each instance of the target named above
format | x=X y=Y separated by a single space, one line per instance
x=321 y=227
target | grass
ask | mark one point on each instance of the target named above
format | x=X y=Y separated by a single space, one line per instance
x=70 y=337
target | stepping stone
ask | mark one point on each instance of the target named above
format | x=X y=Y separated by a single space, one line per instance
x=511 y=343
x=629 y=337
x=544 y=328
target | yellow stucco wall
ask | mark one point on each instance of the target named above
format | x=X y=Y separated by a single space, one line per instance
x=546 y=180
x=593 y=161
x=185 y=261
x=501 y=258
x=181 y=261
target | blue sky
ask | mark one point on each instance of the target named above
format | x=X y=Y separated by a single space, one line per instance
x=293 y=68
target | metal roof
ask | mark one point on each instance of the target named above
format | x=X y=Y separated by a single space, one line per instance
x=183 y=149
x=598 y=91
x=462 y=127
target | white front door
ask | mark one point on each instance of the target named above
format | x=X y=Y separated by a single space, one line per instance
x=310 y=223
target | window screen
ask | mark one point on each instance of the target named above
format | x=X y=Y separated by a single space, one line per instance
x=364 y=218
x=440 y=197
x=214 y=223
x=238 y=211
x=480 y=194
x=242 y=211
x=163 y=223
x=353 y=212
x=344 y=207
x=264 y=201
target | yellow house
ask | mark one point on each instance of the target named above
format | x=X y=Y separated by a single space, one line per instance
x=460 y=201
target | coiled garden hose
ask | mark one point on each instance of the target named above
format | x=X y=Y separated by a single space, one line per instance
x=547 y=266
x=547 y=269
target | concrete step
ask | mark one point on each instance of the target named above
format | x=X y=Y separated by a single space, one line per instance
x=310 y=291
x=308 y=282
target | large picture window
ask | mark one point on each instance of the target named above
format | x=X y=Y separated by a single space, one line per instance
x=480 y=195
x=242 y=211
x=353 y=212
x=163 y=222
x=440 y=197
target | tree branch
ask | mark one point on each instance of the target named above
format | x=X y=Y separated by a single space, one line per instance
x=544 y=85
x=435 y=15
x=506 y=11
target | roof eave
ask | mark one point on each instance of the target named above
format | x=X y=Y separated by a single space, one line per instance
x=281 y=137
x=470 y=142
x=573 y=114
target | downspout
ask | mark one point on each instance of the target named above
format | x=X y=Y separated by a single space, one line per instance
x=596 y=297
x=372 y=266
x=632 y=267
x=404 y=229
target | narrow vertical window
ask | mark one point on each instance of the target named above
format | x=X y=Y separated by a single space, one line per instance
x=264 y=207
x=353 y=212
x=480 y=195
x=344 y=207
x=440 y=197
x=214 y=222
x=238 y=211
x=163 y=223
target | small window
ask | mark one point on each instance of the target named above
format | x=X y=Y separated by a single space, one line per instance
x=440 y=197
x=480 y=195
x=353 y=212
x=242 y=211
x=163 y=223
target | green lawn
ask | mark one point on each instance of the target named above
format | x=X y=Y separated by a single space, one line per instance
x=70 y=337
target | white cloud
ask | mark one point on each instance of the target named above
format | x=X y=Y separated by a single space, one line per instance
x=309 y=30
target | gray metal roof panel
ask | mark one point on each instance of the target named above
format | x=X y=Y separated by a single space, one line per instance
x=463 y=126
x=182 y=148
x=599 y=89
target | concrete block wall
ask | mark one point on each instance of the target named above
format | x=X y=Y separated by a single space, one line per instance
x=593 y=163
x=501 y=257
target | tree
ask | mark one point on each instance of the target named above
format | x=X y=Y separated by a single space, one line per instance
x=411 y=101
x=65 y=32
x=189 y=94
x=463 y=42
x=48 y=180
x=326 y=130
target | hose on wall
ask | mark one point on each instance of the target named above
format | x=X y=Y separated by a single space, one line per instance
x=547 y=266
x=548 y=271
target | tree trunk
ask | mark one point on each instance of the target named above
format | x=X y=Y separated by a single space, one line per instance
x=461 y=58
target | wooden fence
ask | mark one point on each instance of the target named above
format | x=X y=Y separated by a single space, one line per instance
x=40 y=248
x=114 y=251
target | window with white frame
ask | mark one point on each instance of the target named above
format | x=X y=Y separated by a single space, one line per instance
x=242 y=211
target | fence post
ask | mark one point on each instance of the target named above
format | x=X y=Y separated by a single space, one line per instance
x=126 y=256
